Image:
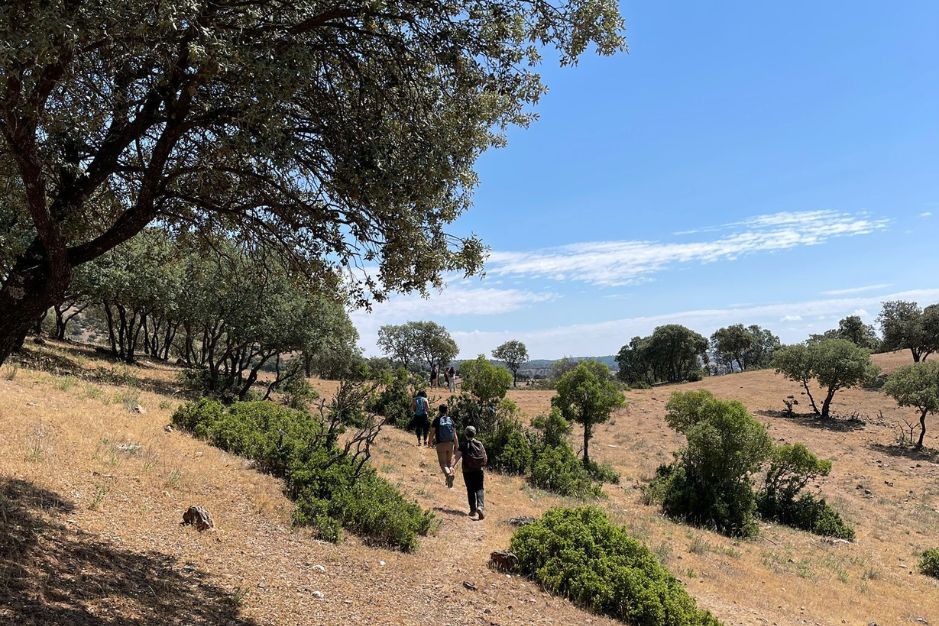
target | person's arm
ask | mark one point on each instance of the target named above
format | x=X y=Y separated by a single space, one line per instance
x=456 y=459
x=434 y=428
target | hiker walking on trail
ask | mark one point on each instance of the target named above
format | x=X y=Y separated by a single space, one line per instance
x=451 y=378
x=473 y=453
x=421 y=420
x=443 y=438
x=434 y=376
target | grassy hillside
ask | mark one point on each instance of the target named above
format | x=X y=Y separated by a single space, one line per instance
x=96 y=489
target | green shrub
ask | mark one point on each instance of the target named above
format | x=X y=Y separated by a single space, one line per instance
x=508 y=447
x=333 y=489
x=791 y=468
x=298 y=393
x=557 y=469
x=579 y=554
x=929 y=563
x=806 y=513
x=602 y=472
x=394 y=400
x=709 y=483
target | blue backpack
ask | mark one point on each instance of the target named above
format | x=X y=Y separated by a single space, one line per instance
x=420 y=406
x=445 y=430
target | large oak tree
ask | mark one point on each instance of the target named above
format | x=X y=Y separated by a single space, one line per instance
x=341 y=133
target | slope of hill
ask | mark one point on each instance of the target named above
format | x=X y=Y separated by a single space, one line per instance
x=92 y=492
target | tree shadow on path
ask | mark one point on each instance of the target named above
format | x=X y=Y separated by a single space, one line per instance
x=51 y=573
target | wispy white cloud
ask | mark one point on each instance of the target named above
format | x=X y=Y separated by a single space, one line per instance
x=615 y=263
x=793 y=321
x=853 y=290
x=458 y=298
x=926 y=214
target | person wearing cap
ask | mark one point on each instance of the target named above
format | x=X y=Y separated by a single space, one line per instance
x=473 y=453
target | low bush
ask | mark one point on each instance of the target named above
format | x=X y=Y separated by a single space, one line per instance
x=394 y=400
x=579 y=554
x=333 y=487
x=559 y=470
x=929 y=563
x=602 y=472
x=791 y=468
x=806 y=512
x=508 y=447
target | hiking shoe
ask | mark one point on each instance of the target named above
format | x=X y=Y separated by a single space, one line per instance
x=471 y=513
x=482 y=515
x=449 y=481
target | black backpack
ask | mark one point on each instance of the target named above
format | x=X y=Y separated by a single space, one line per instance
x=475 y=457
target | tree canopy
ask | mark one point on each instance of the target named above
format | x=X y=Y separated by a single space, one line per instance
x=514 y=353
x=854 y=330
x=833 y=363
x=588 y=395
x=916 y=386
x=743 y=348
x=487 y=382
x=673 y=353
x=341 y=136
x=418 y=343
x=905 y=326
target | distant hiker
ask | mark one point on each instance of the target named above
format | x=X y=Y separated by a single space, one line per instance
x=421 y=420
x=446 y=378
x=473 y=453
x=451 y=378
x=443 y=438
x=434 y=373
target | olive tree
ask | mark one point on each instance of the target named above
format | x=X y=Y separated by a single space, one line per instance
x=588 y=395
x=341 y=135
x=747 y=346
x=833 y=363
x=487 y=382
x=916 y=386
x=673 y=353
x=514 y=354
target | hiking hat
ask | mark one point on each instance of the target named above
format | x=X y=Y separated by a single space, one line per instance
x=470 y=431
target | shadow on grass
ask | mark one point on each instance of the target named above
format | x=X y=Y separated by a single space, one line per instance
x=450 y=511
x=907 y=452
x=54 y=574
x=69 y=365
x=810 y=420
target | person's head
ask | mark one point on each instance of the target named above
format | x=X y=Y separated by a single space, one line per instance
x=422 y=393
x=470 y=432
x=442 y=409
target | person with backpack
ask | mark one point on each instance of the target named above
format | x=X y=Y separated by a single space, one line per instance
x=443 y=438
x=421 y=420
x=473 y=453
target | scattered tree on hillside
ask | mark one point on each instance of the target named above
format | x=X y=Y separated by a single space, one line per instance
x=854 y=330
x=514 y=353
x=340 y=136
x=425 y=343
x=905 y=326
x=588 y=395
x=673 y=353
x=833 y=363
x=916 y=386
x=749 y=347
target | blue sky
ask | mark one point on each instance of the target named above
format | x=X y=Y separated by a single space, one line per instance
x=745 y=162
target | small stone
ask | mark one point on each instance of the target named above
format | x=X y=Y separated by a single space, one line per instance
x=197 y=516
x=381 y=563
x=469 y=585
x=317 y=594
x=168 y=428
x=138 y=408
x=319 y=568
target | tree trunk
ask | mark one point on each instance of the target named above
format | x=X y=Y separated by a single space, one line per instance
x=922 y=430
x=827 y=404
x=26 y=294
x=587 y=435
x=805 y=385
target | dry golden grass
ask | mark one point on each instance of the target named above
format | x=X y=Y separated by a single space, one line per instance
x=96 y=538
